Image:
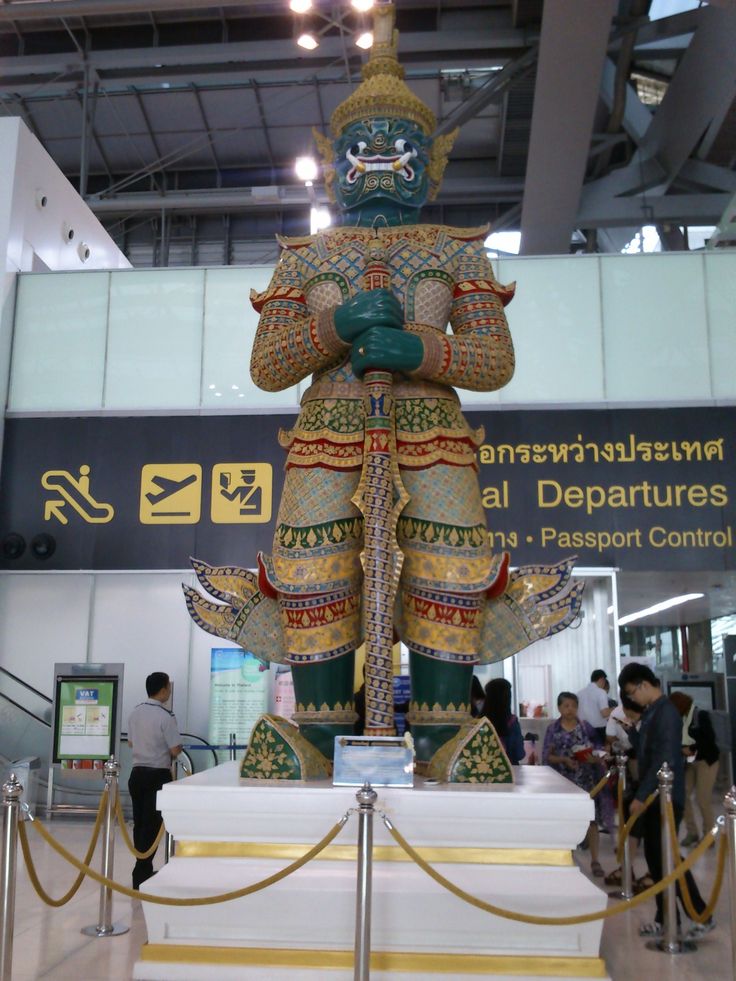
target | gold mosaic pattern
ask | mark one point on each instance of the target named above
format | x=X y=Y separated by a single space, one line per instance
x=296 y=337
x=474 y=755
x=277 y=751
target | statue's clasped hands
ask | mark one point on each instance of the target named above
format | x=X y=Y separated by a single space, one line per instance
x=372 y=321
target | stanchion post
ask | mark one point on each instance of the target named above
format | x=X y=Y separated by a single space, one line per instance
x=669 y=943
x=366 y=798
x=729 y=805
x=12 y=790
x=627 y=885
x=105 y=927
x=233 y=741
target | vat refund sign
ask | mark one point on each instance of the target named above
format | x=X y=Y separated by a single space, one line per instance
x=642 y=489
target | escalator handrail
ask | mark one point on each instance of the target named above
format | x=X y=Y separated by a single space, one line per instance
x=24 y=709
x=25 y=684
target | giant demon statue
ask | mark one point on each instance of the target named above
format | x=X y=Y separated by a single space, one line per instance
x=381 y=532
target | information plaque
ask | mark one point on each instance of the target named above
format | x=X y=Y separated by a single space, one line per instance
x=86 y=714
x=381 y=761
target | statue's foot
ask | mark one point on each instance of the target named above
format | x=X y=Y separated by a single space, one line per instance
x=474 y=755
x=278 y=751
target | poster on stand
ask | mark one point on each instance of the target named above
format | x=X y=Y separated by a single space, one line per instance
x=86 y=715
x=239 y=686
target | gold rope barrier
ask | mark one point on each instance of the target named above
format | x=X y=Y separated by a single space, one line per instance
x=621 y=907
x=687 y=900
x=601 y=784
x=33 y=874
x=176 y=901
x=626 y=829
x=126 y=837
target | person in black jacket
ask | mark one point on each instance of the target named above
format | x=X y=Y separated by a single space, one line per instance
x=659 y=741
x=701 y=755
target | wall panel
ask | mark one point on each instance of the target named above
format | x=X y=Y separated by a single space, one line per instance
x=142 y=621
x=655 y=328
x=154 y=351
x=59 y=344
x=720 y=281
x=43 y=619
x=555 y=321
x=230 y=324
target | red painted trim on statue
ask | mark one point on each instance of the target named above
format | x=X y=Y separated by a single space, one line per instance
x=442 y=613
x=318 y=616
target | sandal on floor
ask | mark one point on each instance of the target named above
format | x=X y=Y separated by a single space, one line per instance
x=639 y=885
x=613 y=878
x=651 y=930
x=595 y=868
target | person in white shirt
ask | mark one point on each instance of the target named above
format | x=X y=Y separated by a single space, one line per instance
x=623 y=719
x=593 y=704
x=621 y=724
x=153 y=736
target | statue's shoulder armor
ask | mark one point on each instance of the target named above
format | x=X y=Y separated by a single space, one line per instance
x=326 y=240
x=342 y=233
x=444 y=241
x=465 y=234
x=292 y=242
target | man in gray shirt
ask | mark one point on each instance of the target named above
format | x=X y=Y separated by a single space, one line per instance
x=154 y=738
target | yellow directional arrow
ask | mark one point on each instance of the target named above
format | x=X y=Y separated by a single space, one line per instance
x=53 y=509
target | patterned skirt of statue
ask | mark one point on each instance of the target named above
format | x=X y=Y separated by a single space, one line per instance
x=447 y=564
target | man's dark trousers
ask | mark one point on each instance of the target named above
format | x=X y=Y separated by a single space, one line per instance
x=144 y=783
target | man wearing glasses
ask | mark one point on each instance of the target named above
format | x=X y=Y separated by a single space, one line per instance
x=659 y=740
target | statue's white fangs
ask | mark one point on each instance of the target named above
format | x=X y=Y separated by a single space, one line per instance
x=398 y=163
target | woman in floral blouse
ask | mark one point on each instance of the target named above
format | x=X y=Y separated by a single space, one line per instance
x=563 y=744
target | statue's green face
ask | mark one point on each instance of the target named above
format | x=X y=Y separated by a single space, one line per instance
x=381 y=161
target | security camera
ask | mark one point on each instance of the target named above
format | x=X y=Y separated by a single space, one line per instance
x=43 y=546
x=13 y=545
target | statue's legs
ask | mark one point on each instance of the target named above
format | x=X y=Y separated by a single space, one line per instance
x=447 y=569
x=316 y=565
x=324 y=696
x=440 y=696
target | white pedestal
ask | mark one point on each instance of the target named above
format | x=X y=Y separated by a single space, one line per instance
x=506 y=845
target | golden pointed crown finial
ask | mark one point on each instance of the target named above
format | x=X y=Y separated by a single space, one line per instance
x=383 y=94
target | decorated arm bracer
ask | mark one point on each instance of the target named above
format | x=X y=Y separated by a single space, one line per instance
x=479 y=355
x=290 y=342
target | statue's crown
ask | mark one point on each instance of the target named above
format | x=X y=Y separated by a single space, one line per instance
x=383 y=93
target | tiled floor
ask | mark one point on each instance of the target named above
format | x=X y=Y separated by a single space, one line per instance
x=48 y=944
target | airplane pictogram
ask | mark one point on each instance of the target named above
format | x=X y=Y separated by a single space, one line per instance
x=74 y=491
x=171 y=494
x=168 y=487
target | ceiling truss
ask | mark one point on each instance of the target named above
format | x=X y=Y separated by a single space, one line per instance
x=189 y=113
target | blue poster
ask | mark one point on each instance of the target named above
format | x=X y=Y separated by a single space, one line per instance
x=238 y=693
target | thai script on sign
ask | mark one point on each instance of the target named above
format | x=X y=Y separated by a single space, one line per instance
x=629 y=450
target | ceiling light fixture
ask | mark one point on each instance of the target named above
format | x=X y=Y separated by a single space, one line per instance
x=305 y=168
x=365 y=40
x=300 y=6
x=659 y=607
x=308 y=41
x=362 y=5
